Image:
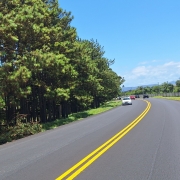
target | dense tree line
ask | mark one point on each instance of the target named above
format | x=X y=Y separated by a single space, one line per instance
x=157 y=89
x=46 y=70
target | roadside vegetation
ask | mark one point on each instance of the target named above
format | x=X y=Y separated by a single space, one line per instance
x=170 y=98
x=10 y=133
x=47 y=72
x=81 y=115
x=156 y=89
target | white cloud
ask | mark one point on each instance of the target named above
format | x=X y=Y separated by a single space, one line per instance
x=140 y=71
x=153 y=74
x=149 y=62
x=154 y=60
x=171 y=64
x=143 y=63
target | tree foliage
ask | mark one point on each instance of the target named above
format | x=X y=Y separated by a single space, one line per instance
x=46 y=71
x=157 y=89
x=178 y=83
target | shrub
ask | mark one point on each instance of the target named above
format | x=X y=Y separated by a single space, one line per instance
x=19 y=131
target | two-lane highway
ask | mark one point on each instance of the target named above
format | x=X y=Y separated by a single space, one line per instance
x=149 y=150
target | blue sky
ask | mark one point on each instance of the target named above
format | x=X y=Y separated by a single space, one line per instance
x=143 y=36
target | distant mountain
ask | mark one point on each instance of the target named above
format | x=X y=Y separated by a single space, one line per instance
x=173 y=82
x=125 y=89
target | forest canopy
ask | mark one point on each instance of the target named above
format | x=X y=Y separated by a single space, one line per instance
x=46 y=70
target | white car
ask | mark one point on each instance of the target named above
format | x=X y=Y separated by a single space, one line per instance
x=126 y=101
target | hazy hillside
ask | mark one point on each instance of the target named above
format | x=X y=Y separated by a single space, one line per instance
x=124 y=89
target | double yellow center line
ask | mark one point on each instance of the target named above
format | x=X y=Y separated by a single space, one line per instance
x=89 y=159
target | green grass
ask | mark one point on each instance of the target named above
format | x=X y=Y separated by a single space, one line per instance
x=81 y=115
x=170 y=98
x=8 y=134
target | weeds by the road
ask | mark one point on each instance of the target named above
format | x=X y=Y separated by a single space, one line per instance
x=8 y=134
x=81 y=115
x=170 y=98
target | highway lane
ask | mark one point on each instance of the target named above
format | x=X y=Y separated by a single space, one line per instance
x=149 y=151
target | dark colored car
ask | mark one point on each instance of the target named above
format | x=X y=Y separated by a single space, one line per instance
x=118 y=98
x=145 y=96
x=137 y=96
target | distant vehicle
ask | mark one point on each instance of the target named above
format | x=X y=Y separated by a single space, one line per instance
x=145 y=96
x=126 y=101
x=132 y=97
x=137 y=96
x=117 y=98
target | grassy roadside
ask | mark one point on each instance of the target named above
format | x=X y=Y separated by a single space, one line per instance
x=81 y=115
x=8 y=134
x=170 y=98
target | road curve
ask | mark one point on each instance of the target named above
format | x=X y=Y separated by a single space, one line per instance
x=149 y=151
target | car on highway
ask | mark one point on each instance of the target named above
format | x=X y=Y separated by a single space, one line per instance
x=126 y=101
x=145 y=96
x=137 y=96
x=132 y=97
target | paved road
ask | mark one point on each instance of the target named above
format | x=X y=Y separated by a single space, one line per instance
x=150 y=151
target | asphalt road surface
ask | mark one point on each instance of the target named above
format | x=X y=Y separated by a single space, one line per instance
x=149 y=151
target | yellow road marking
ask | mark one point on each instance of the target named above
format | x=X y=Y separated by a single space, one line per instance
x=89 y=159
